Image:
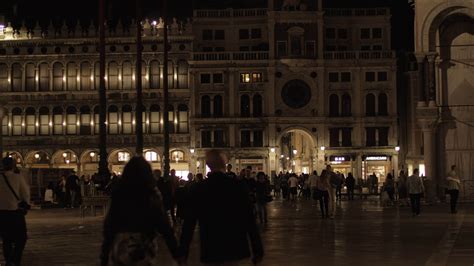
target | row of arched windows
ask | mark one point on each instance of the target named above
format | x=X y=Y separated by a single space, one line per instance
x=373 y=105
x=85 y=120
x=84 y=76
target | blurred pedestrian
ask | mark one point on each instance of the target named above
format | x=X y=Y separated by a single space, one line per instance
x=293 y=184
x=263 y=195
x=415 y=190
x=350 y=184
x=323 y=187
x=13 y=189
x=454 y=183
x=225 y=216
x=402 y=189
x=72 y=188
x=136 y=214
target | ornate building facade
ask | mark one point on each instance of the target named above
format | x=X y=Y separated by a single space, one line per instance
x=441 y=99
x=290 y=87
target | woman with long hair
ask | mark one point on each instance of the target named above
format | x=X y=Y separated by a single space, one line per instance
x=136 y=215
x=322 y=184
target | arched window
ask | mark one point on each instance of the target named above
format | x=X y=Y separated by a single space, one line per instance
x=112 y=77
x=218 y=106
x=171 y=119
x=257 y=105
x=183 y=118
x=71 y=76
x=245 y=105
x=152 y=156
x=5 y=129
x=96 y=121
x=16 y=121
x=17 y=73
x=43 y=77
x=145 y=80
x=177 y=156
x=30 y=77
x=171 y=83
x=86 y=76
x=333 y=105
x=112 y=121
x=58 y=75
x=370 y=105
x=86 y=118
x=155 y=119
x=71 y=120
x=58 y=120
x=30 y=121
x=182 y=74
x=127 y=75
x=205 y=106
x=346 y=105
x=127 y=127
x=97 y=75
x=44 y=121
x=154 y=74
x=4 y=86
x=383 y=104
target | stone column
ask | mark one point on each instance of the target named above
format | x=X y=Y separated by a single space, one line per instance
x=428 y=126
x=420 y=58
x=431 y=79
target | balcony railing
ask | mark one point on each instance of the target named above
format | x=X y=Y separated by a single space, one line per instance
x=228 y=56
x=359 y=12
x=216 y=13
x=353 y=55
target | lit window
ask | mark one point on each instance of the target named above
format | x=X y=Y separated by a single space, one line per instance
x=244 y=77
x=177 y=156
x=151 y=156
x=123 y=156
x=257 y=77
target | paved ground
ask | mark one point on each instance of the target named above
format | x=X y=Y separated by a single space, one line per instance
x=363 y=233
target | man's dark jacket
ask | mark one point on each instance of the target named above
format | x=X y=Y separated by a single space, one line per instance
x=222 y=208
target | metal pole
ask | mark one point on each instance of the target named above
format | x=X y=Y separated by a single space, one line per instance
x=103 y=166
x=138 y=82
x=166 y=135
x=2 y=113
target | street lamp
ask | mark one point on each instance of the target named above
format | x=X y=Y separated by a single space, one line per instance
x=272 y=150
x=323 y=148
x=191 y=151
x=295 y=152
x=397 y=149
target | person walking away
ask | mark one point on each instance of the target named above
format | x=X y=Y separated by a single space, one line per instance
x=350 y=184
x=225 y=216
x=323 y=186
x=61 y=191
x=293 y=184
x=340 y=184
x=72 y=186
x=454 y=183
x=284 y=186
x=136 y=214
x=263 y=193
x=333 y=181
x=13 y=189
x=402 y=189
x=277 y=186
x=389 y=187
x=165 y=189
x=313 y=181
x=415 y=190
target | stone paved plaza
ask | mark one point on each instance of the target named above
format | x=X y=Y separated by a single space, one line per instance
x=363 y=233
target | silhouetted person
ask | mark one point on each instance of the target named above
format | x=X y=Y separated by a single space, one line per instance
x=454 y=182
x=12 y=221
x=350 y=184
x=136 y=214
x=225 y=216
x=72 y=188
x=415 y=190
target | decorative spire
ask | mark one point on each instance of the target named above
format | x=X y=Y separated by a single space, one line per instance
x=91 y=31
x=146 y=28
x=64 y=30
x=119 y=28
x=37 y=30
x=50 y=29
x=23 y=30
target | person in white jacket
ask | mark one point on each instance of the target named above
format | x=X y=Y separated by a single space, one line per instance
x=12 y=221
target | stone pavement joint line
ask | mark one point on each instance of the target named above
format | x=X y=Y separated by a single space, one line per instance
x=445 y=246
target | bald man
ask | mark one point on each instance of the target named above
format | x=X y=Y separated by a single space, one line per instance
x=225 y=216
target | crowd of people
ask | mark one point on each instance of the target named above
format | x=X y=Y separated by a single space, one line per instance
x=227 y=206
